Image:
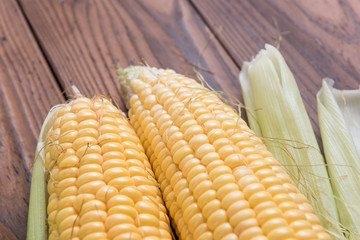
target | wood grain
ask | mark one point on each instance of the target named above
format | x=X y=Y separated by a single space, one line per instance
x=27 y=91
x=318 y=38
x=85 y=40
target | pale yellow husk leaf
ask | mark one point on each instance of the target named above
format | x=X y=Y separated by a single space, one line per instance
x=276 y=112
x=339 y=120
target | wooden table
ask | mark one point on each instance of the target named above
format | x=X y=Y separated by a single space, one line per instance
x=47 y=46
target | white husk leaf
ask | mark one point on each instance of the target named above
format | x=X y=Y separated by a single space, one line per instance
x=276 y=112
x=37 y=226
x=339 y=119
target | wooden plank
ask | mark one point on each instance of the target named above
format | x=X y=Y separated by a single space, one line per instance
x=85 y=40
x=319 y=39
x=27 y=91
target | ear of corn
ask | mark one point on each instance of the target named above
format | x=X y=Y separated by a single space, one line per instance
x=276 y=112
x=99 y=181
x=339 y=115
x=217 y=178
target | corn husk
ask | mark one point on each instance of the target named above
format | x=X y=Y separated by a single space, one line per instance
x=37 y=221
x=276 y=112
x=339 y=120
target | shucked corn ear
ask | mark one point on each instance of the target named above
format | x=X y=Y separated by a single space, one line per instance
x=339 y=115
x=276 y=112
x=99 y=181
x=217 y=178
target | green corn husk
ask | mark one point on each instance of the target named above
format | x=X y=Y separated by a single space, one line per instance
x=276 y=113
x=37 y=225
x=339 y=119
x=37 y=214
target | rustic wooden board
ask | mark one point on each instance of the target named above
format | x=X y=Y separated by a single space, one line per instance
x=27 y=91
x=318 y=38
x=85 y=40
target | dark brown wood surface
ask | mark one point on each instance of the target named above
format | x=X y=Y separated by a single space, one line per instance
x=27 y=91
x=47 y=46
x=86 y=40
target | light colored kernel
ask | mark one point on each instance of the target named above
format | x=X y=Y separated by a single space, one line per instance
x=68 y=126
x=68 y=137
x=85 y=114
x=115 y=172
x=89 y=168
x=64 y=213
x=70 y=191
x=216 y=218
x=91 y=187
x=203 y=150
x=105 y=193
x=214 y=164
x=242 y=226
x=200 y=188
x=145 y=219
x=109 y=138
x=66 y=202
x=306 y=235
x=268 y=214
x=112 y=146
x=84 y=141
x=88 y=149
x=231 y=198
x=91 y=227
x=118 y=218
x=68 y=162
x=300 y=225
x=222 y=230
x=67 y=172
x=70 y=233
x=205 y=197
x=88 y=177
x=199 y=229
x=252 y=188
x=219 y=171
x=89 y=123
x=121 y=182
x=264 y=205
x=250 y=233
x=272 y=224
x=259 y=197
x=119 y=229
x=222 y=180
x=235 y=160
x=281 y=233
x=96 y=236
x=182 y=153
x=63 y=184
x=206 y=236
x=149 y=231
x=120 y=200
x=236 y=207
x=93 y=216
x=91 y=158
x=195 y=220
x=211 y=207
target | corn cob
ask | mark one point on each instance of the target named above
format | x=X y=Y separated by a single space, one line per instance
x=99 y=180
x=217 y=178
